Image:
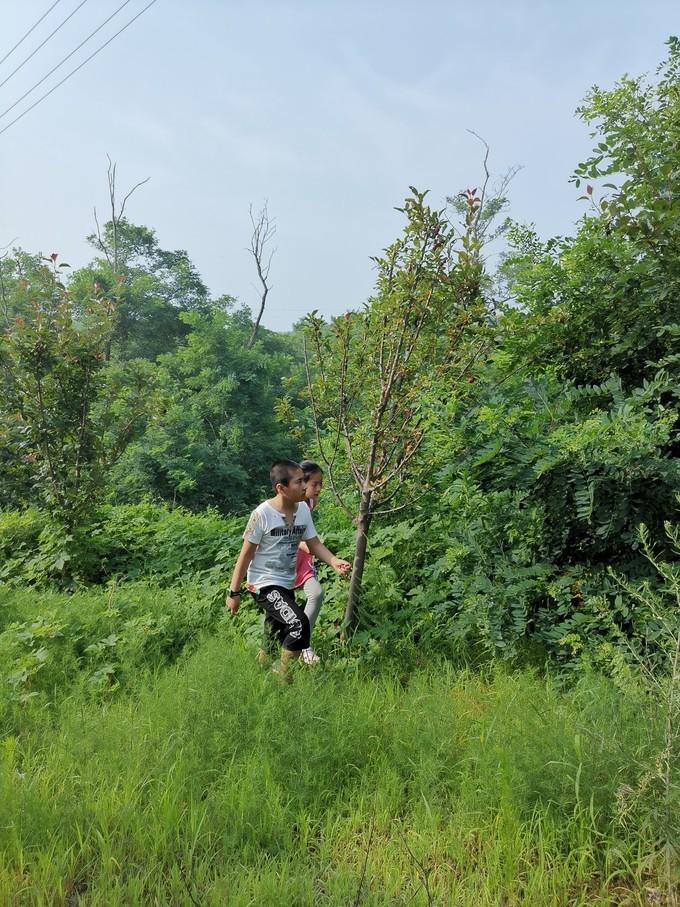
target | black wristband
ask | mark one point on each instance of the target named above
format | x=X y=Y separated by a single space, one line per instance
x=233 y=594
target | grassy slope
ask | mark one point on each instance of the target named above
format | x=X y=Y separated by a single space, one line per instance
x=213 y=785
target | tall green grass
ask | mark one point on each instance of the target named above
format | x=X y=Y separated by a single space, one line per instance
x=214 y=785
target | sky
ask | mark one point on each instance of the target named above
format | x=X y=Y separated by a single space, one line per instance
x=327 y=110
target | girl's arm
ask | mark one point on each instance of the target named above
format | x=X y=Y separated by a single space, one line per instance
x=304 y=547
x=233 y=597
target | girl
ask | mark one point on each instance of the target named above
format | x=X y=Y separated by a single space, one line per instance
x=305 y=574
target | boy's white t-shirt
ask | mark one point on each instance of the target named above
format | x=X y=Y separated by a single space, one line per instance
x=276 y=555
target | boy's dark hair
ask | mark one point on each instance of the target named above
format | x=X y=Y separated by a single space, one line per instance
x=309 y=468
x=282 y=472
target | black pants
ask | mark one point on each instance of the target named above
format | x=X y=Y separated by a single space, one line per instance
x=285 y=621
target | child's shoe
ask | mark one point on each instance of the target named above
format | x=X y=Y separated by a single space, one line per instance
x=310 y=657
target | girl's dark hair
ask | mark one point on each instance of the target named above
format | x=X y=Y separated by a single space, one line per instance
x=309 y=467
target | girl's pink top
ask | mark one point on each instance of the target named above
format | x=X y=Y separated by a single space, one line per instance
x=304 y=567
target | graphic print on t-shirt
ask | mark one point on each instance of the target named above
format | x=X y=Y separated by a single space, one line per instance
x=289 y=530
x=288 y=538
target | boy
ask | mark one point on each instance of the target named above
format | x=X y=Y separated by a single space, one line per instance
x=268 y=555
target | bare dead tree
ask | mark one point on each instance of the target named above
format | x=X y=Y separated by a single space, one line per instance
x=111 y=250
x=481 y=206
x=117 y=213
x=264 y=230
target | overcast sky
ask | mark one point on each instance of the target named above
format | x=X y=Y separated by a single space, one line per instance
x=328 y=109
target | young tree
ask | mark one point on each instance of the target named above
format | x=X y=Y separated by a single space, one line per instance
x=369 y=372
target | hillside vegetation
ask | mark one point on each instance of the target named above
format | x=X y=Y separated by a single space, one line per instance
x=495 y=717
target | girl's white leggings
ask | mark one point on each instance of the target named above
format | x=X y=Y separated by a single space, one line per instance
x=314 y=592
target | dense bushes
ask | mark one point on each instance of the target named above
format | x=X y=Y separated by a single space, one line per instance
x=471 y=577
x=127 y=542
x=466 y=581
x=123 y=783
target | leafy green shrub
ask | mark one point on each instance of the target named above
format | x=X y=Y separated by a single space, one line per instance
x=102 y=641
x=19 y=534
x=136 y=540
x=129 y=541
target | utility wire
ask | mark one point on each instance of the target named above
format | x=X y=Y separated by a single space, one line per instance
x=61 y=62
x=34 y=26
x=74 y=71
x=51 y=35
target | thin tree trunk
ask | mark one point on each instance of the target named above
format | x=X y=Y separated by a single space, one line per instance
x=359 y=558
x=256 y=326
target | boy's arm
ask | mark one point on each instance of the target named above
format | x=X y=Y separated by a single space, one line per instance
x=233 y=597
x=319 y=550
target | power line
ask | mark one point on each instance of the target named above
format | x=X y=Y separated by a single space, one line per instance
x=74 y=71
x=61 y=62
x=34 y=26
x=51 y=35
